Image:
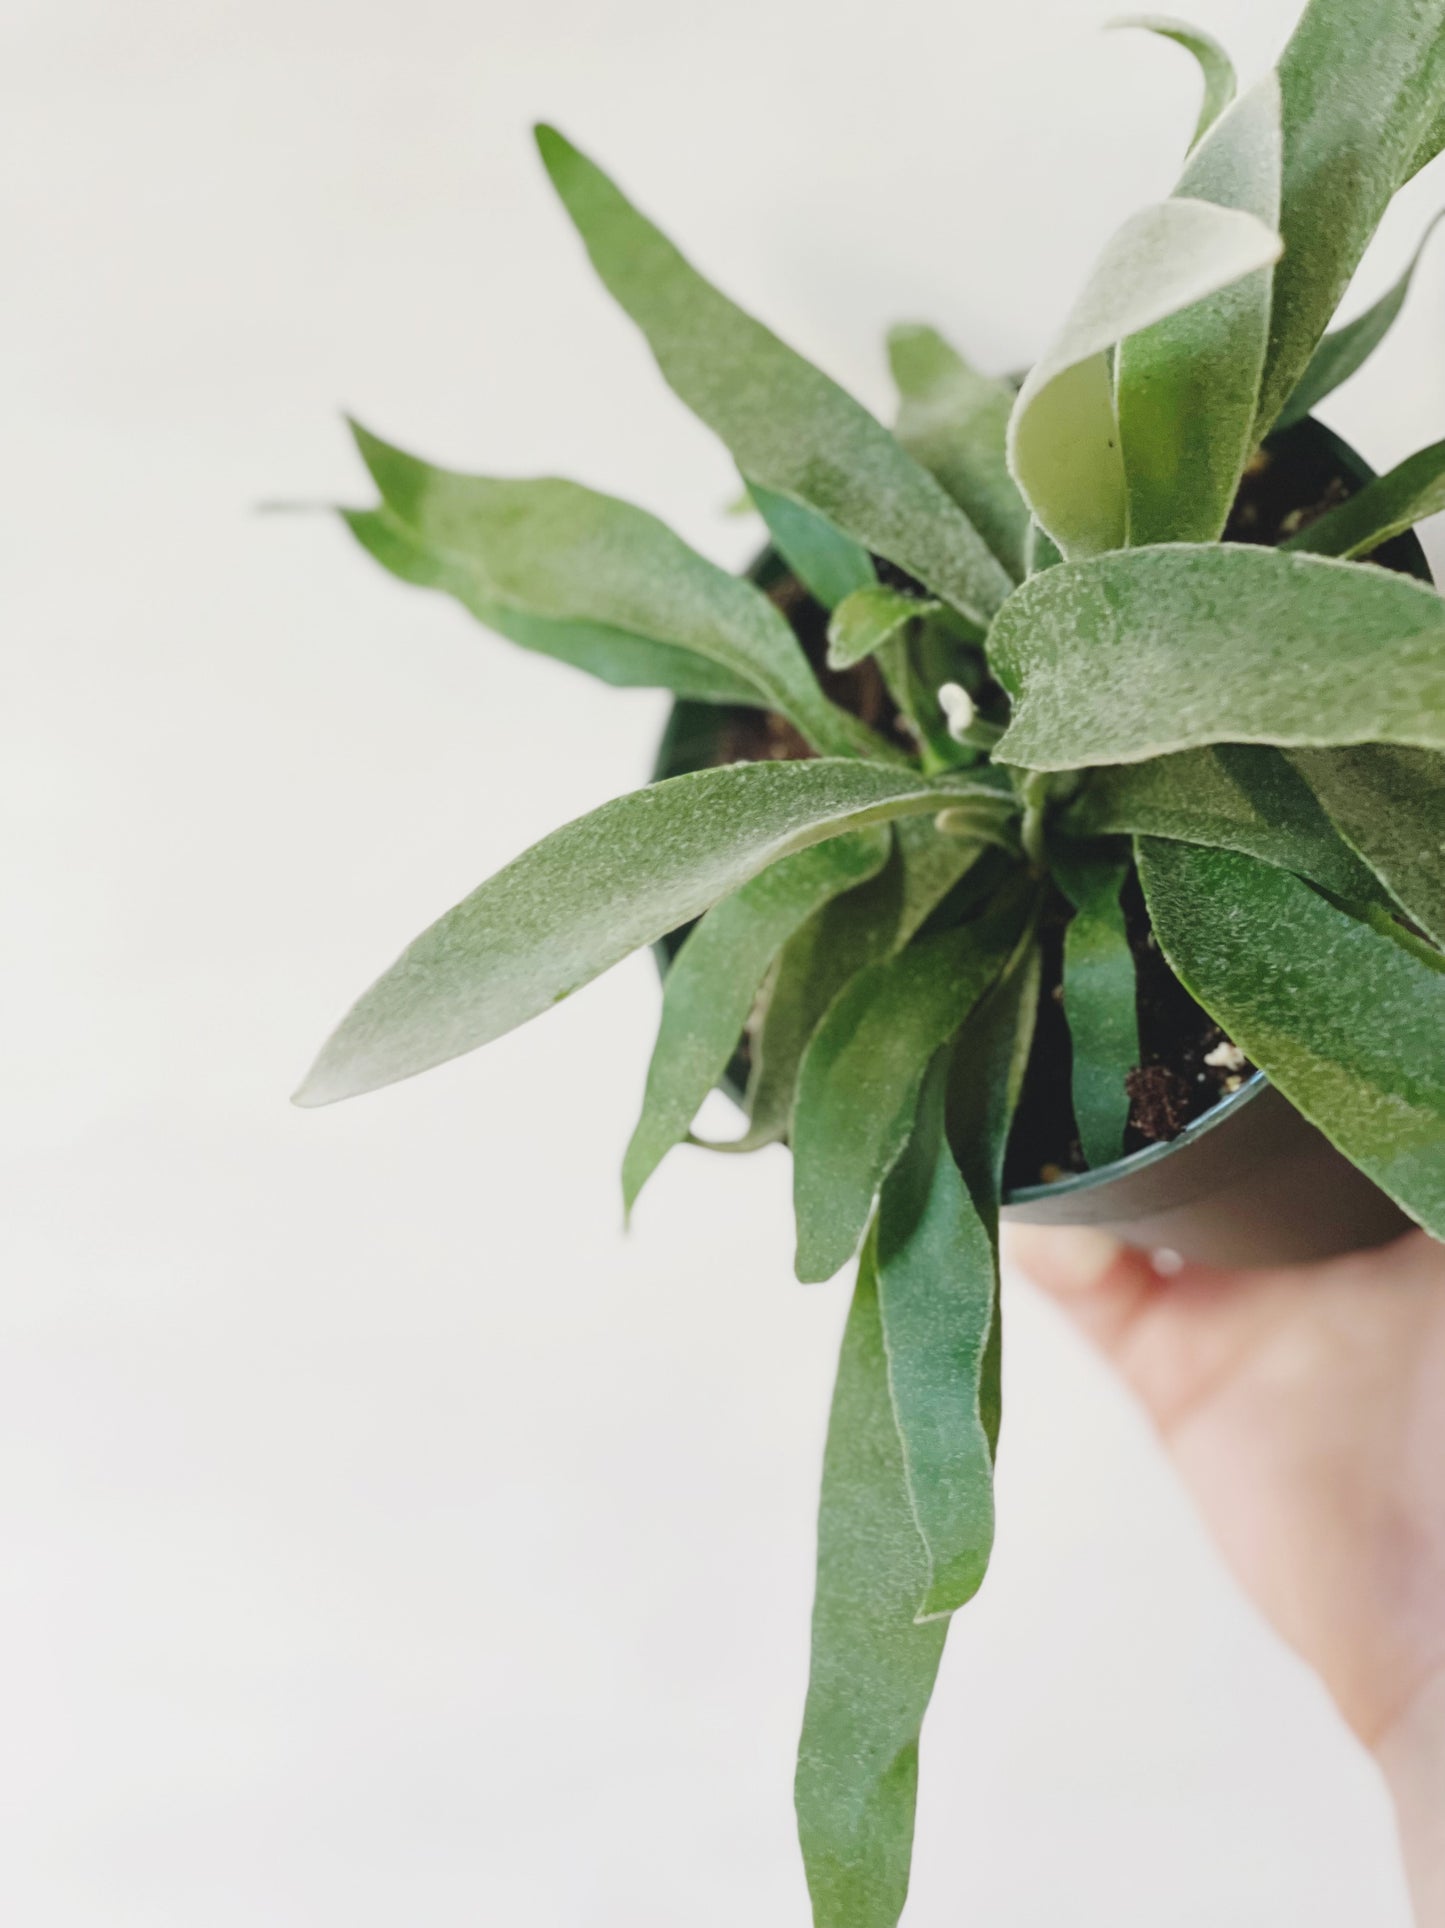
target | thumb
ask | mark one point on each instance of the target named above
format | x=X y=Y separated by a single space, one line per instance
x=1172 y=1331
x=1102 y=1285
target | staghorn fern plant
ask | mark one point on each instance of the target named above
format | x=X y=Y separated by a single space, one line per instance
x=1085 y=690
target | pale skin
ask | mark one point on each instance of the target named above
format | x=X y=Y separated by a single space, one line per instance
x=1305 y=1412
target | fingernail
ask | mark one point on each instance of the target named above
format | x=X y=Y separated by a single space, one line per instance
x=1090 y=1255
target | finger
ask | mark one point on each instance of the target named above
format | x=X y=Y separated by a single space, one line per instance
x=1176 y=1333
x=1102 y=1285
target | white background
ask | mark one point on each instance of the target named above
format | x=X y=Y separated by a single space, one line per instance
x=384 y=1539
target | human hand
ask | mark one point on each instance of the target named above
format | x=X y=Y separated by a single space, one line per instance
x=1305 y=1411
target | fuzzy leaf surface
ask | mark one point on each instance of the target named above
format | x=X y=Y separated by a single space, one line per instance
x=846 y=935
x=712 y=983
x=790 y=428
x=989 y=1062
x=858 y=1088
x=1345 y=350
x=935 y=1264
x=829 y=564
x=1244 y=797
x=1134 y=655
x=563 y=568
x=990 y=1057
x=1214 y=63
x=843 y=938
x=872 y=1668
x=955 y=422
x=1364 y=108
x=1064 y=449
x=614 y=656
x=873 y=1664
x=1188 y=388
x=1349 y=1025
x=580 y=900
x=1390 y=805
x=1385 y=507
x=868 y=618
x=1100 y=1001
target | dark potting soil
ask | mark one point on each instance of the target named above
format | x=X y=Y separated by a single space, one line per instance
x=1171 y=1086
x=1289 y=484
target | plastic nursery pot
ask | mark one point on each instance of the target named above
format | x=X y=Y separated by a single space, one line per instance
x=1250 y=1183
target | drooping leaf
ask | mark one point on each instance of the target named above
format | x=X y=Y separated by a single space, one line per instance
x=1188 y=388
x=1345 y=350
x=577 y=902
x=790 y=428
x=603 y=584
x=1383 y=508
x=843 y=938
x=935 y=1264
x=990 y=1057
x=989 y=1061
x=1100 y=999
x=714 y=979
x=1390 y=805
x=955 y=422
x=1364 y=108
x=1133 y=655
x=1064 y=450
x=829 y=564
x=612 y=655
x=872 y=1668
x=1214 y=63
x=1234 y=796
x=1349 y=1025
x=867 y=619
x=858 y=1088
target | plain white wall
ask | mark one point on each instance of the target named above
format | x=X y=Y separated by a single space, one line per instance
x=383 y=1537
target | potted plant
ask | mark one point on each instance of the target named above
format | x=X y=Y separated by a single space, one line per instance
x=1053 y=820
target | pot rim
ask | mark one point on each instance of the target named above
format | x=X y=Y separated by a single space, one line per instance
x=1072 y=1183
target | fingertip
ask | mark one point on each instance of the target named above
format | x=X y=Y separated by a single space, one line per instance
x=1068 y=1261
